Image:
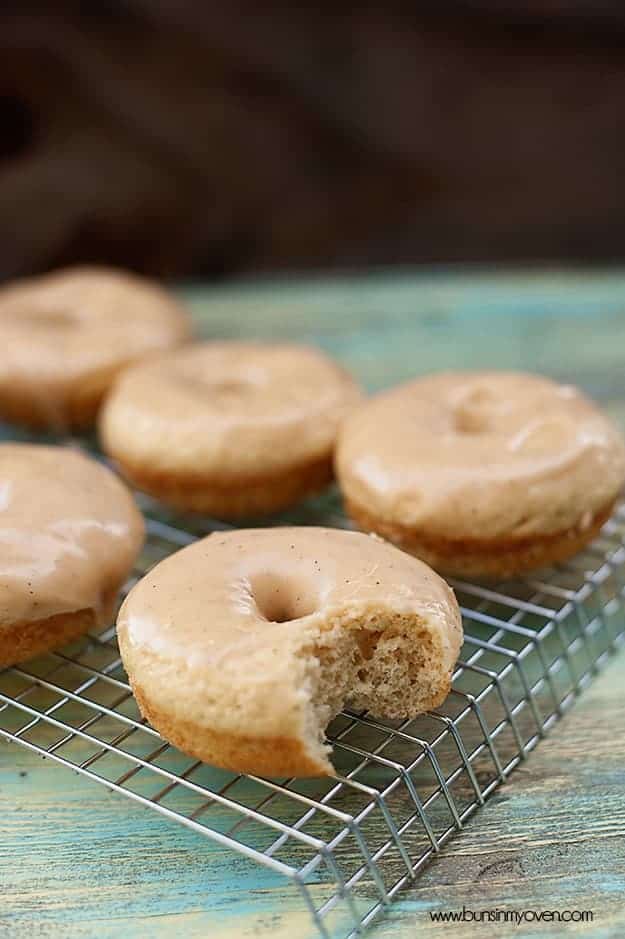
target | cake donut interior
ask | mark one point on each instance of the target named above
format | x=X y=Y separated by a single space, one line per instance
x=243 y=646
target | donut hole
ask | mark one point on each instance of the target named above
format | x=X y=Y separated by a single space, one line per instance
x=220 y=389
x=49 y=319
x=231 y=386
x=283 y=599
x=474 y=412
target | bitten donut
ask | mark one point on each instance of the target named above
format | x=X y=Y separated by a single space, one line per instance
x=242 y=647
x=69 y=535
x=232 y=429
x=64 y=337
x=482 y=473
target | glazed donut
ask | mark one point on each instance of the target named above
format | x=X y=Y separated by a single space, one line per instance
x=481 y=473
x=232 y=429
x=64 y=337
x=69 y=535
x=242 y=647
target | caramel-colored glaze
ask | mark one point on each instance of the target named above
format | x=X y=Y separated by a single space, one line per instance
x=228 y=410
x=69 y=533
x=218 y=628
x=65 y=335
x=481 y=455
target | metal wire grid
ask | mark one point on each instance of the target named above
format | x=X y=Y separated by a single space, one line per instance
x=348 y=843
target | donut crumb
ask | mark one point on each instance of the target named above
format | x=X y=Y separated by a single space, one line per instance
x=388 y=665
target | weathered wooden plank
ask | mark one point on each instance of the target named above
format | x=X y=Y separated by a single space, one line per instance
x=552 y=838
x=78 y=861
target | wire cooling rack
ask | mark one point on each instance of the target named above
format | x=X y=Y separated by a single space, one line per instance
x=350 y=842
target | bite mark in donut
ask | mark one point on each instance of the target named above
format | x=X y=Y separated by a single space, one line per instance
x=241 y=648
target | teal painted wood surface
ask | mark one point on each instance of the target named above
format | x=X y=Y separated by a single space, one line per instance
x=79 y=861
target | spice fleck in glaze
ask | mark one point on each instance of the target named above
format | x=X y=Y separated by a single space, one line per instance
x=227 y=642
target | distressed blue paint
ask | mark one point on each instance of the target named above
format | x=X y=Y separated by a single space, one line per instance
x=78 y=861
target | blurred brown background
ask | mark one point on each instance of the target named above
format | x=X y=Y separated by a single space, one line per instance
x=205 y=139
